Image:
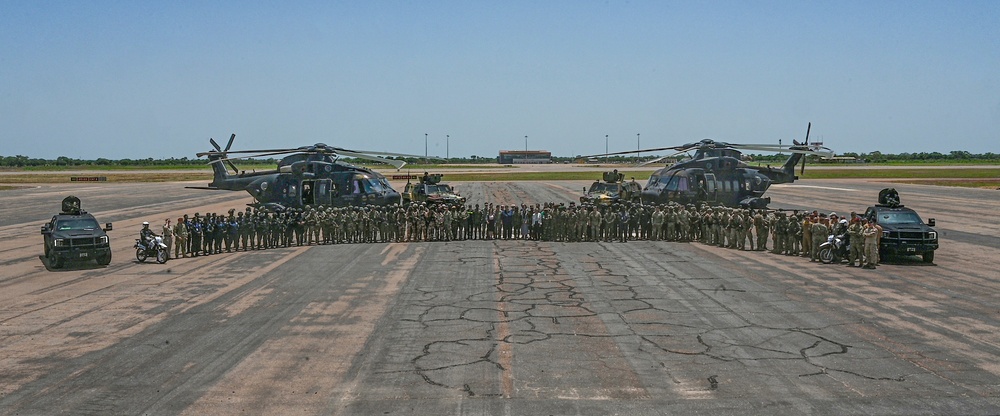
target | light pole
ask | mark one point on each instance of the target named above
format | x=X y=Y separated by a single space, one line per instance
x=425 y=148
x=447 y=146
x=637 y=147
x=526 y=143
x=605 y=148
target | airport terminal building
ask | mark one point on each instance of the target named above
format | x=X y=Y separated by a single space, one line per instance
x=508 y=157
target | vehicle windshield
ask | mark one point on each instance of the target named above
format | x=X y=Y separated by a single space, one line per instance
x=78 y=224
x=899 y=218
x=611 y=188
x=438 y=189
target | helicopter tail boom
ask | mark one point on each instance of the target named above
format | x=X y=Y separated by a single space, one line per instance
x=220 y=174
x=789 y=167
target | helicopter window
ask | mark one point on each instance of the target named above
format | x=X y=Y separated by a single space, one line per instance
x=374 y=185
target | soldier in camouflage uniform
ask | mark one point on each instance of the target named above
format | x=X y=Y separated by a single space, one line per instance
x=780 y=227
x=760 y=224
x=819 y=231
x=794 y=231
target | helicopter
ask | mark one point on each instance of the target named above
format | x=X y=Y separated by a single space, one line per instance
x=717 y=175
x=306 y=176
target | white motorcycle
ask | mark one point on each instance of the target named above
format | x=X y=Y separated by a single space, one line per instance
x=154 y=247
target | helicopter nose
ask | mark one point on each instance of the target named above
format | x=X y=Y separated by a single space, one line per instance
x=650 y=195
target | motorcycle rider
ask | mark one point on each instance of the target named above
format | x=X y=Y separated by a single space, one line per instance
x=145 y=234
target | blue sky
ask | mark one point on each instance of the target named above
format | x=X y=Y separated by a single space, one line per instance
x=136 y=79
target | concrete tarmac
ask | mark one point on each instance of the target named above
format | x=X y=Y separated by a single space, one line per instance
x=498 y=327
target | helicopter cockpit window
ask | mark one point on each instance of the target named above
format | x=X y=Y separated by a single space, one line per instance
x=375 y=185
x=675 y=183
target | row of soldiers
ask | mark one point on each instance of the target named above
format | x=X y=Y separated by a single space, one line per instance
x=789 y=233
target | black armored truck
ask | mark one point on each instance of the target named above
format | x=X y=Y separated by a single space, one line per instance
x=903 y=232
x=75 y=235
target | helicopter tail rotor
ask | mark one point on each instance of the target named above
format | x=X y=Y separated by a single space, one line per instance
x=802 y=170
x=218 y=149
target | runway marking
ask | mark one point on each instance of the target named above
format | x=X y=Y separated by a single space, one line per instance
x=784 y=185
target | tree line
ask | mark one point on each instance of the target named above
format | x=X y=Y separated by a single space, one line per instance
x=20 y=161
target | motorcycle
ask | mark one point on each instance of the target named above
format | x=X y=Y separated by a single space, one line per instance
x=835 y=249
x=154 y=247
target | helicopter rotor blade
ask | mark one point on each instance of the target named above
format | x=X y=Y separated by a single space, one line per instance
x=228 y=146
x=660 y=158
x=393 y=154
x=656 y=149
x=255 y=156
x=396 y=163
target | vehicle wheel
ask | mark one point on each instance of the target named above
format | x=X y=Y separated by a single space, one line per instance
x=55 y=261
x=46 y=246
x=105 y=260
x=140 y=255
x=161 y=256
x=929 y=257
x=826 y=255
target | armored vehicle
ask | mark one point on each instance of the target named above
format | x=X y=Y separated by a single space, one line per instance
x=74 y=234
x=903 y=232
x=612 y=189
x=432 y=191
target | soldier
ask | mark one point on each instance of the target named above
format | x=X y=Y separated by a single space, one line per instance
x=760 y=225
x=748 y=228
x=696 y=224
x=736 y=233
x=208 y=240
x=168 y=237
x=656 y=223
x=221 y=232
x=180 y=239
x=196 y=231
x=878 y=243
x=794 y=236
x=855 y=242
x=819 y=234
x=780 y=227
x=871 y=234
x=233 y=237
x=683 y=223
x=807 y=223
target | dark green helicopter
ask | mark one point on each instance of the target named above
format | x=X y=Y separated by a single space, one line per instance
x=307 y=176
x=717 y=175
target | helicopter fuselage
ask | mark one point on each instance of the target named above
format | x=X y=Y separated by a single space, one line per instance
x=309 y=181
x=717 y=180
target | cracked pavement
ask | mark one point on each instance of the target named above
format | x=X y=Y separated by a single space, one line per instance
x=499 y=327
